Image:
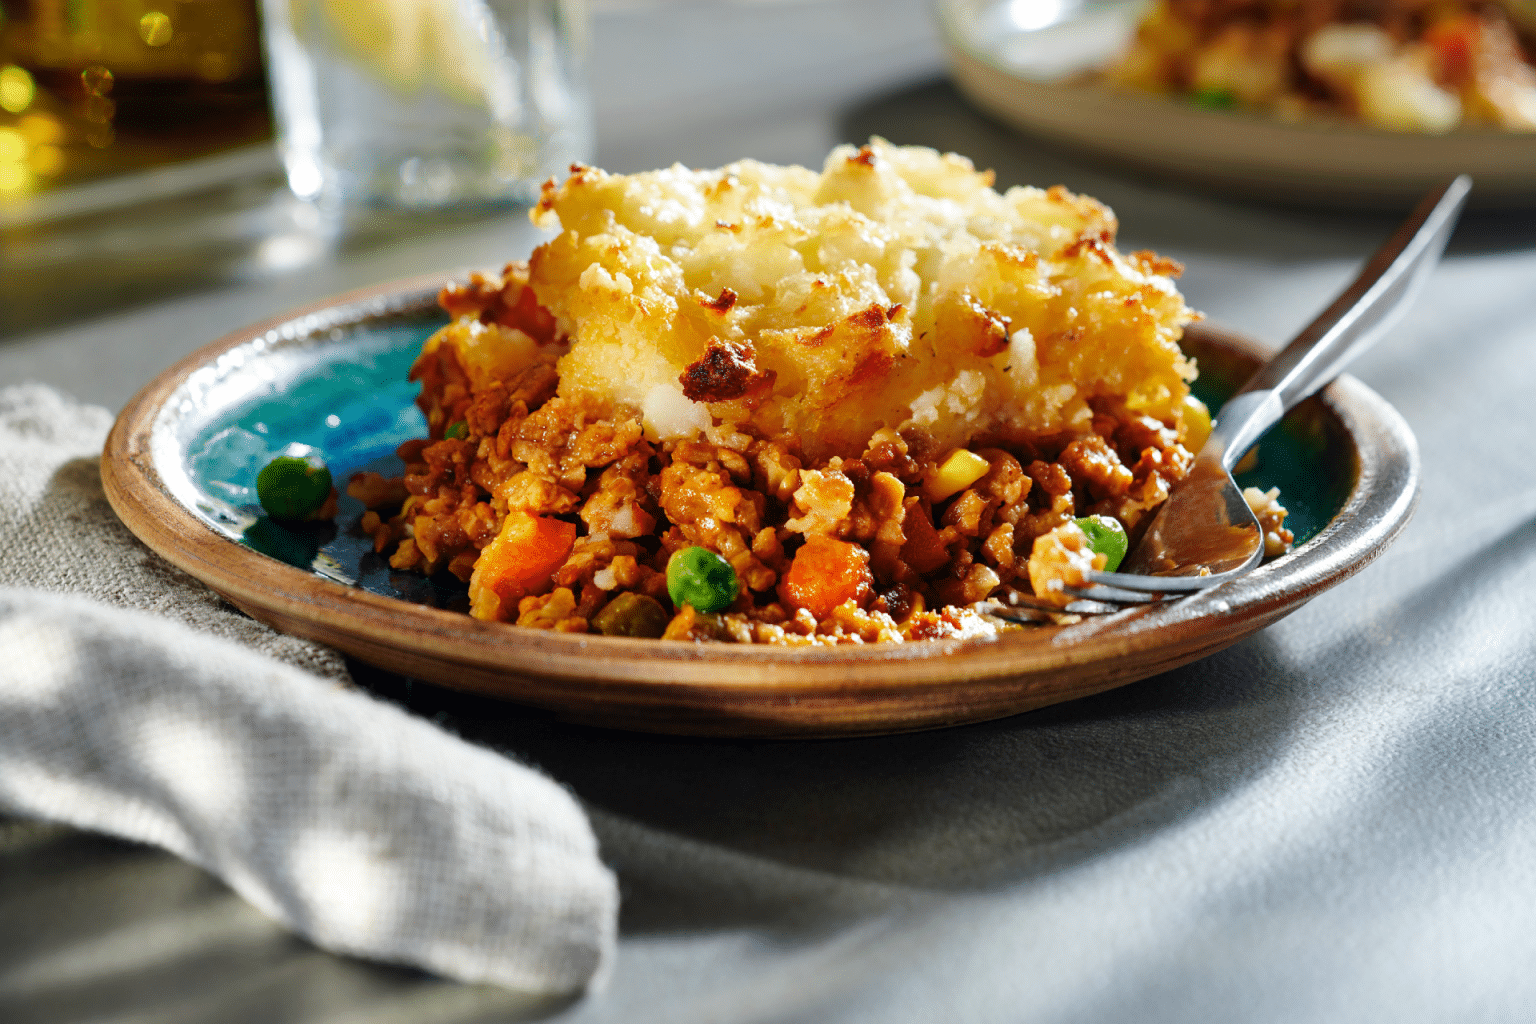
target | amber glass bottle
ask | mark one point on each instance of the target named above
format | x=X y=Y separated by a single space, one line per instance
x=95 y=87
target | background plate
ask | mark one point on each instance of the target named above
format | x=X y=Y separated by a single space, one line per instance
x=1023 y=61
x=180 y=463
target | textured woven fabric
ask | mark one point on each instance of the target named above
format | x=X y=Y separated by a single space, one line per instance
x=368 y=830
x=58 y=533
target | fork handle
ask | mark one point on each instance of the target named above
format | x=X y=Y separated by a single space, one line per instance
x=1357 y=318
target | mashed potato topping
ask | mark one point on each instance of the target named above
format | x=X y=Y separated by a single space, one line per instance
x=894 y=289
x=869 y=390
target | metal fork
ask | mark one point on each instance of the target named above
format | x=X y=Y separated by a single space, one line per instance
x=1205 y=534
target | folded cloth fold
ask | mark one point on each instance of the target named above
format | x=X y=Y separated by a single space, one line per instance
x=366 y=829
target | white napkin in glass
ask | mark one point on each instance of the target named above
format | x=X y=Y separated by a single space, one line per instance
x=364 y=828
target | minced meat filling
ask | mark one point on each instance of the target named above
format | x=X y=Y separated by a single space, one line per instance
x=627 y=504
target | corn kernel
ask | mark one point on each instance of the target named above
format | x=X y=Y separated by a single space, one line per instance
x=955 y=474
x=1197 y=423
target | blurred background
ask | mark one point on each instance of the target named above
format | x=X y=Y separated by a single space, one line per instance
x=137 y=156
x=90 y=89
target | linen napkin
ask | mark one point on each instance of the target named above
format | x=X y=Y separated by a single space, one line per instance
x=134 y=701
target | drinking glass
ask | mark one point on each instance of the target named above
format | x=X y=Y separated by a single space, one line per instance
x=427 y=104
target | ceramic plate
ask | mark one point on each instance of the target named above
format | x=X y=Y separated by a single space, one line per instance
x=180 y=465
x=1024 y=61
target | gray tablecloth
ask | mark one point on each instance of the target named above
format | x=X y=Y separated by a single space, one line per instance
x=1334 y=820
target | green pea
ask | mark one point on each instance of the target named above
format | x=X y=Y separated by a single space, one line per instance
x=458 y=431
x=293 y=487
x=699 y=577
x=632 y=614
x=1106 y=537
x=1213 y=98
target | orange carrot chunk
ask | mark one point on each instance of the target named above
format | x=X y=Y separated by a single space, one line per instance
x=824 y=574
x=522 y=558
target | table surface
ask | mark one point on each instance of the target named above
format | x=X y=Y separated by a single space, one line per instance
x=1334 y=819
